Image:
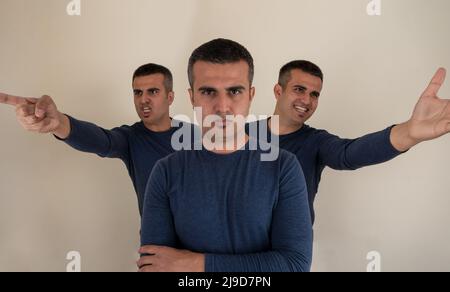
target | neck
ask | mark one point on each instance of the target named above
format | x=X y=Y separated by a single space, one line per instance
x=285 y=127
x=163 y=125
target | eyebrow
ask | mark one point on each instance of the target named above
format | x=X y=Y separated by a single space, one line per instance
x=148 y=89
x=207 y=88
x=238 y=87
x=300 y=87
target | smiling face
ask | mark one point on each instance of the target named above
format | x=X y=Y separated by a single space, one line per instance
x=151 y=99
x=222 y=90
x=299 y=98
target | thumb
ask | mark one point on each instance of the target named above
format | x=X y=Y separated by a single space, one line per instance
x=435 y=84
x=42 y=106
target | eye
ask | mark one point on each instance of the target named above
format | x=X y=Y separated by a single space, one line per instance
x=299 y=90
x=153 y=91
x=207 y=92
x=235 y=92
x=137 y=93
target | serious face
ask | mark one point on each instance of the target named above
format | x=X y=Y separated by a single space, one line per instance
x=222 y=90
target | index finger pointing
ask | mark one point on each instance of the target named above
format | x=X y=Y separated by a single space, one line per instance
x=11 y=99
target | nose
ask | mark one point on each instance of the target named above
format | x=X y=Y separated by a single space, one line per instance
x=222 y=105
x=144 y=99
x=306 y=99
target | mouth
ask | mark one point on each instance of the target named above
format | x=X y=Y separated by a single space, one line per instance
x=146 y=111
x=301 y=110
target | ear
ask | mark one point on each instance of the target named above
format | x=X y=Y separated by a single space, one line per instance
x=191 y=95
x=252 y=93
x=278 y=91
x=171 y=97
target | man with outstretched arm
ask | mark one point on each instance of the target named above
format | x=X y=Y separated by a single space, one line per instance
x=139 y=146
x=297 y=93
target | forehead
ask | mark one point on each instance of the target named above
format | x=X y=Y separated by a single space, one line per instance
x=299 y=77
x=221 y=75
x=149 y=81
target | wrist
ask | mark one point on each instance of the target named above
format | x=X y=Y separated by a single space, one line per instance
x=198 y=262
x=63 y=129
x=411 y=139
x=402 y=137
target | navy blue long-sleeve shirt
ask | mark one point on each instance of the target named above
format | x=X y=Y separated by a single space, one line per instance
x=137 y=146
x=244 y=214
x=317 y=149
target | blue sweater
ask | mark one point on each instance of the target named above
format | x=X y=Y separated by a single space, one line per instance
x=244 y=214
x=317 y=149
x=138 y=147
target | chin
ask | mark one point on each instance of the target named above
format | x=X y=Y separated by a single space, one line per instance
x=147 y=120
x=298 y=120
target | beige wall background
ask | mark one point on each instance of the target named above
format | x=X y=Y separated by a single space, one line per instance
x=54 y=200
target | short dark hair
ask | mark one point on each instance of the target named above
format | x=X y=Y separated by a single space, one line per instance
x=305 y=66
x=221 y=51
x=150 y=69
